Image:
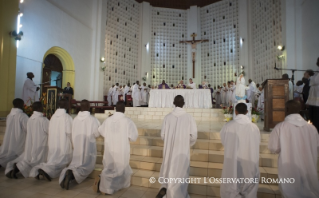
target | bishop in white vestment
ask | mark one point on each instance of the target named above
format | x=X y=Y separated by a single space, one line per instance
x=29 y=92
x=297 y=144
x=179 y=132
x=240 y=138
x=136 y=95
x=36 y=145
x=84 y=153
x=15 y=134
x=59 y=142
x=117 y=130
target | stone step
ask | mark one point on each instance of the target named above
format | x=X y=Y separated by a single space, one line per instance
x=202 y=186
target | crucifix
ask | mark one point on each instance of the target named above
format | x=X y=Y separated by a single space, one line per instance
x=193 y=44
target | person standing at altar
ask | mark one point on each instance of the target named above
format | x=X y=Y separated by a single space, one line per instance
x=204 y=85
x=179 y=133
x=136 y=94
x=163 y=85
x=233 y=90
x=223 y=94
x=251 y=92
x=192 y=84
x=30 y=89
x=229 y=94
x=291 y=90
x=218 y=97
x=109 y=96
x=14 y=137
x=144 y=92
x=297 y=142
x=181 y=85
x=241 y=140
x=115 y=94
x=126 y=90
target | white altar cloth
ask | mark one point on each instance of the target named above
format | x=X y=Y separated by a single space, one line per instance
x=194 y=98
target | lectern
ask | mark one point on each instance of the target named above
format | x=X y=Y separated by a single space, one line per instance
x=53 y=93
x=276 y=95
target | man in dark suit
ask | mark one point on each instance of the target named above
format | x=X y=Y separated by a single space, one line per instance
x=68 y=89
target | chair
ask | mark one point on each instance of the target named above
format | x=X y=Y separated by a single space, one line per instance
x=120 y=98
x=129 y=100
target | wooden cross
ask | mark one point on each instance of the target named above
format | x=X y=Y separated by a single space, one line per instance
x=193 y=44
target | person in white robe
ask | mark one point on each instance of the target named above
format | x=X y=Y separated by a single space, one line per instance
x=84 y=153
x=117 y=130
x=191 y=84
x=260 y=104
x=251 y=92
x=291 y=86
x=179 y=133
x=109 y=96
x=36 y=145
x=297 y=144
x=115 y=94
x=298 y=90
x=241 y=89
x=241 y=139
x=233 y=90
x=59 y=143
x=30 y=90
x=223 y=94
x=126 y=90
x=218 y=97
x=14 y=137
x=144 y=92
x=136 y=94
x=229 y=95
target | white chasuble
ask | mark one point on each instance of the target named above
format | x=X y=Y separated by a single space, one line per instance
x=60 y=146
x=179 y=132
x=297 y=143
x=136 y=95
x=84 y=146
x=14 y=137
x=29 y=92
x=241 y=139
x=118 y=131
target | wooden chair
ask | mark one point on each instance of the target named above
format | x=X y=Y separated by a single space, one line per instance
x=129 y=100
x=120 y=98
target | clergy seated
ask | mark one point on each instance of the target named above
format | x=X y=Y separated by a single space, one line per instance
x=15 y=134
x=297 y=144
x=59 y=143
x=179 y=132
x=84 y=144
x=117 y=131
x=240 y=138
x=163 y=85
x=36 y=145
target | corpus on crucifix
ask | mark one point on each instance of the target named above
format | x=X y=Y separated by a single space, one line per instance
x=194 y=44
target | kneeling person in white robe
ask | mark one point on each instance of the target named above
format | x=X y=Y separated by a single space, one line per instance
x=36 y=146
x=179 y=132
x=297 y=144
x=59 y=142
x=117 y=131
x=241 y=139
x=84 y=155
x=14 y=137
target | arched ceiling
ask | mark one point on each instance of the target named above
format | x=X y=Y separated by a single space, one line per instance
x=179 y=4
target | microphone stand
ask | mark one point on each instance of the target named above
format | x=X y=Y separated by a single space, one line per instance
x=293 y=72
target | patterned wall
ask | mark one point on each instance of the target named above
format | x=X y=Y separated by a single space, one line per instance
x=267 y=35
x=121 y=42
x=168 y=56
x=220 y=56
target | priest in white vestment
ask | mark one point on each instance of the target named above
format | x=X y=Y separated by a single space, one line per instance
x=115 y=94
x=126 y=90
x=14 y=137
x=251 y=92
x=30 y=90
x=117 y=130
x=84 y=147
x=109 y=96
x=136 y=94
x=179 y=132
x=36 y=145
x=192 y=84
x=144 y=92
x=59 y=142
x=241 y=139
x=297 y=144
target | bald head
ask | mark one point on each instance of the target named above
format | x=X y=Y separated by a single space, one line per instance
x=63 y=104
x=85 y=105
x=179 y=101
x=37 y=106
x=292 y=107
x=120 y=107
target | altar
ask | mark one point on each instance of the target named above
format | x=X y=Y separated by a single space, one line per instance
x=194 y=98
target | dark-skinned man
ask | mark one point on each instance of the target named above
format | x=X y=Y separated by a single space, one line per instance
x=179 y=133
x=84 y=153
x=297 y=144
x=60 y=145
x=163 y=85
x=117 y=130
x=30 y=90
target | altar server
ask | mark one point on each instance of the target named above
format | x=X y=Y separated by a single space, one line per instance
x=36 y=146
x=179 y=132
x=15 y=134
x=297 y=144
x=136 y=94
x=251 y=92
x=117 y=130
x=84 y=155
x=223 y=94
x=109 y=96
x=240 y=138
x=126 y=90
x=192 y=84
x=144 y=93
x=59 y=142
x=30 y=90
x=115 y=94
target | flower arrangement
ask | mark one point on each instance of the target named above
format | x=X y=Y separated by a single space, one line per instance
x=43 y=100
x=254 y=111
x=254 y=115
x=228 y=110
x=28 y=109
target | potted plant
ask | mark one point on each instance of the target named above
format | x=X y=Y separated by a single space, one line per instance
x=228 y=113
x=255 y=114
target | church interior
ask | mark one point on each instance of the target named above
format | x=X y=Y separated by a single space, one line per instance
x=79 y=49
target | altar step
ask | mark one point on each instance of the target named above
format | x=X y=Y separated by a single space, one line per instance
x=160 y=113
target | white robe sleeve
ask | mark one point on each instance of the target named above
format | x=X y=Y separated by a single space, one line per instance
x=274 y=140
x=45 y=125
x=133 y=133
